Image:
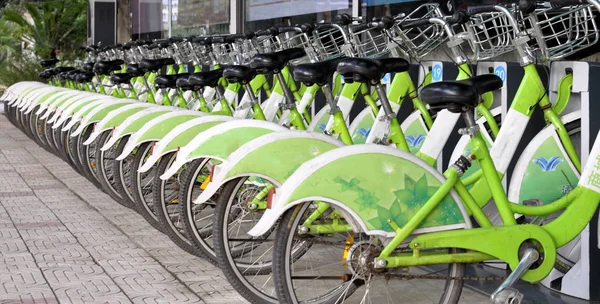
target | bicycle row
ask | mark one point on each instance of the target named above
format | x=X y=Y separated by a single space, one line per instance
x=297 y=207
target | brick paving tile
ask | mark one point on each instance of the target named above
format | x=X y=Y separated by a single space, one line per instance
x=62 y=240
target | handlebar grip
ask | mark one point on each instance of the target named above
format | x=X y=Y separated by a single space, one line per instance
x=234 y=37
x=218 y=39
x=385 y=22
x=527 y=6
x=202 y=40
x=343 y=19
x=286 y=29
x=268 y=32
x=478 y=9
x=176 y=39
x=414 y=23
x=361 y=27
x=307 y=27
x=161 y=42
x=563 y=3
x=459 y=17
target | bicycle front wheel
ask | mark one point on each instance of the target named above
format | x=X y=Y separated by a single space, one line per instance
x=338 y=268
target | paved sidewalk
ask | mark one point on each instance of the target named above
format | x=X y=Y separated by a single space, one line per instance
x=65 y=241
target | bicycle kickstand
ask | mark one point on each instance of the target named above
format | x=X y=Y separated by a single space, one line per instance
x=507 y=295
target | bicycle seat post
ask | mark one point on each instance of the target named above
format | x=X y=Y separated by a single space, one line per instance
x=471 y=126
x=385 y=103
x=289 y=96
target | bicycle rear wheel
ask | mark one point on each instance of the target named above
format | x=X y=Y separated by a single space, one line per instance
x=198 y=218
x=339 y=268
x=245 y=260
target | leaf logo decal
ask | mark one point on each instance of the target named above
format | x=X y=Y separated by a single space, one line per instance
x=364 y=132
x=548 y=164
x=415 y=140
x=321 y=127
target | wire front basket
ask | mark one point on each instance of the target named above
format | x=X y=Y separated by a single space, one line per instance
x=239 y=52
x=330 y=41
x=419 y=41
x=369 y=42
x=491 y=34
x=561 y=32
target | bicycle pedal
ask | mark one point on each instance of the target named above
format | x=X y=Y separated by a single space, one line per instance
x=508 y=296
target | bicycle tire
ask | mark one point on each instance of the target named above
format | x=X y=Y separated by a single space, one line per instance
x=200 y=239
x=284 y=237
x=122 y=171
x=235 y=271
x=143 y=204
x=104 y=164
x=167 y=212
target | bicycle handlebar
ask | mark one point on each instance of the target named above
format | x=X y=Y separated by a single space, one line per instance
x=478 y=9
x=563 y=3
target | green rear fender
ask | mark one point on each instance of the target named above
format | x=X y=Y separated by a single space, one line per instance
x=180 y=136
x=157 y=128
x=78 y=116
x=220 y=141
x=134 y=123
x=99 y=112
x=373 y=186
x=116 y=117
x=274 y=157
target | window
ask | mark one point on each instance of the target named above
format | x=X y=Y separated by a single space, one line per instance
x=199 y=17
x=149 y=19
x=262 y=14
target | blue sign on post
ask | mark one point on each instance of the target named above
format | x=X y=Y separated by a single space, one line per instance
x=386 y=78
x=500 y=71
x=436 y=73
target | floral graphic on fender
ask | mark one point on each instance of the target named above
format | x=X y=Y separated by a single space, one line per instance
x=366 y=200
x=415 y=140
x=548 y=164
x=364 y=132
x=409 y=200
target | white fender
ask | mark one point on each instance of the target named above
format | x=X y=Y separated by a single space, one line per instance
x=52 y=105
x=345 y=105
x=354 y=125
x=133 y=141
x=100 y=126
x=439 y=133
x=78 y=116
x=307 y=99
x=160 y=147
x=32 y=99
x=381 y=126
x=33 y=95
x=243 y=108
x=221 y=170
x=314 y=123
x=514 y=190
x=459 y=149
x=45 y=104
x=33 y=105
x=23 y=89
x=184 y=152
x=60 y=110
x=87 y=119
x=70 y=110
x=304 y=172
x=132 y=119
x=271 y=105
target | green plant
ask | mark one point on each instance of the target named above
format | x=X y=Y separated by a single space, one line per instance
x=19 y=68
x=38 y=30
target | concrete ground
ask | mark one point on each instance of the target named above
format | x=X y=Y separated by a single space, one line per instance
x=62 y=240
